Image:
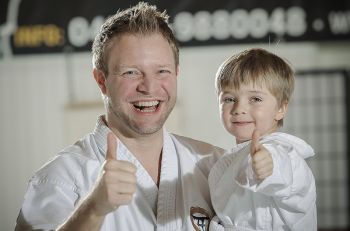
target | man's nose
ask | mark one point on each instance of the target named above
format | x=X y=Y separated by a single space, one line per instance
x=147 y=84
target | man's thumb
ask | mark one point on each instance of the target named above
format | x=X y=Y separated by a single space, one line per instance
x=111 y=146
x=255 y=145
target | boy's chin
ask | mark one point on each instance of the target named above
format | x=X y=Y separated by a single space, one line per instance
x=242 y=140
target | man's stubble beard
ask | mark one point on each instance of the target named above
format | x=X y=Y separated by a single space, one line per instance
x=129 y=123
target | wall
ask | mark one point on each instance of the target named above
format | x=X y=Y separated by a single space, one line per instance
x=48 y=101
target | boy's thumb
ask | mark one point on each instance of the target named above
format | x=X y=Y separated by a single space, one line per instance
x=255 y=145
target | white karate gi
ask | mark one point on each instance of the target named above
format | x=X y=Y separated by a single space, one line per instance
x=286 y=200
x=58 y=186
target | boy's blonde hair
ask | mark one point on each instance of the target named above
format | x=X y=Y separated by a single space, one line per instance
x=261 y=68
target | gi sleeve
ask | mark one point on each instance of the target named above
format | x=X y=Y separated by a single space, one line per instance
x=291 y=185
x=46 y=204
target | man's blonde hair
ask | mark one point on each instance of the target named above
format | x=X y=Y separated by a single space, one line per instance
x=141 y=19
x=261 y=68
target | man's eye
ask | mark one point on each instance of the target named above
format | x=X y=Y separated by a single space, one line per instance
x=131 y=73
x=164 y=71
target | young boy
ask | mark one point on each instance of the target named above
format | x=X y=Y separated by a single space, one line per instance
x=254 y=88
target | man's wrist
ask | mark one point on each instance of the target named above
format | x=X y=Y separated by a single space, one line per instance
x=85 y=217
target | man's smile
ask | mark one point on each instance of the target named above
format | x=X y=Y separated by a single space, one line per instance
x=147 y=106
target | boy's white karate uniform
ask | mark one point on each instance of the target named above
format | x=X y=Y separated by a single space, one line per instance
x=286 y=200
x=58 y=187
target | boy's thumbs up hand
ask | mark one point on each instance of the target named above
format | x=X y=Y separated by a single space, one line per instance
x=255 y=145
x=262 y=162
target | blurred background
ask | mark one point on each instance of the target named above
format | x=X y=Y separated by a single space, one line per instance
x=49 y=99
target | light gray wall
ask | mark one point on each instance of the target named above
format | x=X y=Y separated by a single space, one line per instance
x=49 y=101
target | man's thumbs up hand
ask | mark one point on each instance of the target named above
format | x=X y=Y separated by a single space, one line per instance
x=111 y=147
x=116 y=184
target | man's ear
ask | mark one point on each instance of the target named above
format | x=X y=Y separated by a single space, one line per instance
x=282 y=111
x=100 y=80
x=177 y=70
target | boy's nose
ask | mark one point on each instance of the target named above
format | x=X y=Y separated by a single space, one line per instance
x=239 y=108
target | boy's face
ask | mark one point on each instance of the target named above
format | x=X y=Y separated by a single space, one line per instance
x=248 y=108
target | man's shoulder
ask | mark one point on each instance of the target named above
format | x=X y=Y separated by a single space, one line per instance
x=204 y=154
x=196 y=146
x=75 y=161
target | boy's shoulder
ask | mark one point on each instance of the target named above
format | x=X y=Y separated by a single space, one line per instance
x=288 y=142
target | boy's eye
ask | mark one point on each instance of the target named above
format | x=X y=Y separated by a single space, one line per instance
x=229 y=100
x=256 y=99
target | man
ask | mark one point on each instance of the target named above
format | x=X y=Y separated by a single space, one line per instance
x=130 y=173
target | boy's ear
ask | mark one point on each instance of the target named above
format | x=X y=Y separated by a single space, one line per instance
x=100 y=80
x=281 y=111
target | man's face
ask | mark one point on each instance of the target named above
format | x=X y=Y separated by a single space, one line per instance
x=141 y=86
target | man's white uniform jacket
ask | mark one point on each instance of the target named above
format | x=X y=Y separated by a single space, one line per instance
x=182 y=201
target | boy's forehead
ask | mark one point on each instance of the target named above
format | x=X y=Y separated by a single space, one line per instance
x=230 y=86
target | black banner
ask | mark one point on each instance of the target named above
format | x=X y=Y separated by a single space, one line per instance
x=38 y=26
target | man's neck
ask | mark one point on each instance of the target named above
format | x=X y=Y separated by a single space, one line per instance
x=148 y=151
x=146 y=148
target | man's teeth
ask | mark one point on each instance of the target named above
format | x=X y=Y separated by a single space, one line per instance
x=147 y=106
